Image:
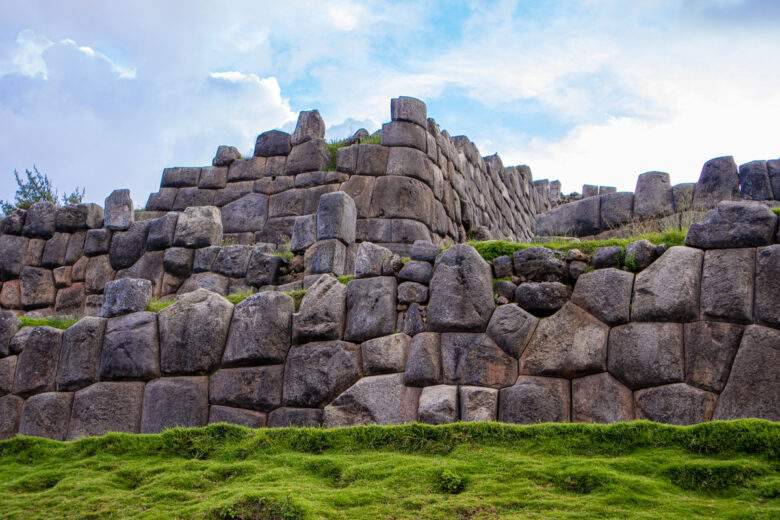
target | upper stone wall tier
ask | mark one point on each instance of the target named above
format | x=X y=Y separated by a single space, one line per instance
x=601 y=209
x=418 y=183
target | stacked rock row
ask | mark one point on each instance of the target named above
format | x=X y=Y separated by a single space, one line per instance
x=655 y=197
x=418 y=184
x=694 y=336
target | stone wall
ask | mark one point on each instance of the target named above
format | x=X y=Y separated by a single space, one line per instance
x=656 y=201
x=694 y=335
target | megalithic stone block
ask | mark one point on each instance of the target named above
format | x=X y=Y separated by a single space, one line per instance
x=37 y=363
x=653 y=196
x=310 y=126
x=118 y=210
x=175 y=401
x=719 y=180
x=336 y=217
x=106 y=407
x=47 y=415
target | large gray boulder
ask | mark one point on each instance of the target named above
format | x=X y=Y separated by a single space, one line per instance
x=7 y=372
x=579 y=218
x=322 y=312
x=568 y=344
x=199 y=226
x=474 y=359
x=310 y=156
x=640 y=254
x=75 y=217
x=753 y=388
x=175 y=401
x=178 y=261
x=539 y=264
x=646 y=354
x=46 y=415
x=212 y=282
x=131 y=348
x=98 y=274
x=255 y=388
x=606 y=294
x=382 y=399
x=402 y=133
x=326 y=256
x=511 y=328
x=542 y=298
x=232 y=261
x=710 y=347
x=727 y=284
x=310 y=126
x=36 y=366
x=12 y=254
x=55 y=249
x=9 y=325
x=336 y=217
x=37 y=287
x=284 y=417
x=229 y=414
x=128 y=246
x=616 y=209
x=225 y=155
x=601 y=398
x=416 y=271
x=387 y=354
x=405 y=108
x=461 y=297
x=97 y=242
x=754 y=181
x=668 y=290
x=423 y=365
x=719 y=180
x=39 y=220
x=304 y=232
x=260 y=330
x=106 y=407
x=374 y=260
x=272 y=143
x=534 y=400
x=193 y=332
x=10 y=413
x=80 y=354
x=125 y=295
x=675 y=404
x=249 y=213
x=734 y=224
x=477 y=403
x=438 y=404
x=653 y=196
x=118 y=210
x=371 y=306
x=767 y=285
x=316 y=373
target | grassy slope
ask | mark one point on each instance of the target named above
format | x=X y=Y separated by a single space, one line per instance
x=489 y=470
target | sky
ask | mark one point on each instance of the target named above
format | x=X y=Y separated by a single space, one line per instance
x=105 y=95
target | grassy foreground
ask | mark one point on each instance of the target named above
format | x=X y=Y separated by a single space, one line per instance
x=487 y=470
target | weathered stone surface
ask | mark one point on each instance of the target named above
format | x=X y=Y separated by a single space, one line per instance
x=753 y=388
x=232 y=261
x=225 y=155
x=326 y=256
x=424 y=363
x=148 y=267
x=609 y=256
x=336 y=217
x=534 y=400
x=767 y=288
x=372 y=159
x=322 y=311
x=37 y=287
x=474 y=359
x=214 y=177
x=46 y=415
x=402 y=197
x=668 y=290
x=606 y=294
x=477 y=403
x=10 y=413
x=126 y=295
x=382 y=399
x=402 y=133
x=754 y=181
x=260 y=330
x=461 y=296
x=424 y=251
x=234 y=191
x=13 y=223
x=37 y=363
x=229 y=414
x=284 y=417
x=199 y=227
x=373 y=260
x=511 y=328
x=12 y=253
x=675 y=404
x=187 y=197
x=412 y=292
x=773 y=167
x=99 y=273
x=727 y=284
x=178 y=261
x=646 y=354
x=180 y=177
x=542 y=297
x=7 y=372
x=255 y=388
x=118 y=210
x=391 y=231
x=273 y=142
x=128 y=246
x=92 y=304
x=316 y=373
x=131 y=349
x=204 y=258
x=54 y=252
x=640 y=254
x=310 y=126
x=97 y=242
x=371 y=306
x=304 y=232
x=710 y=347
x=405 y=108
x=415 y=320
x=10 y=295
x=249 y=213
x=75 y=249
x=601 y=398
x=193 y=332
x=385 y=355
x=617 y=209
x=502 y=266
x=33 y=253
x=313 y=155
x=653 y=196
x=162 y=200
x=175 y=401
x=264 y=269
x=9 y=324
x=505 y=290
x=39 y=220
x=80 y=354
x=579 y=218
x=539 y=264
x=75 y=217
x=438 y=404
x=734 y=224
x=718 y=181
x=106 y=407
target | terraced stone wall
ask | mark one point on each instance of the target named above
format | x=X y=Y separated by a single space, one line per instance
x=693 y=336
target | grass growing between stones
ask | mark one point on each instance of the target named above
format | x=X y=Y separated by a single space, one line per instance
x=491 y=249
x=157 y=304
x=776 y=210
x=487 y=470
x=58 y=322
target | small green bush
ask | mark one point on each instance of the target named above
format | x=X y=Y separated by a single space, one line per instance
x=346 y=278
x=297 y=296
x=57 y=322
x=447 y=481
x=237 y=297
x=776 y=210
x=157 y=304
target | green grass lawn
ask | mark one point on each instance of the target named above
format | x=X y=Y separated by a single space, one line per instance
x=462 y=471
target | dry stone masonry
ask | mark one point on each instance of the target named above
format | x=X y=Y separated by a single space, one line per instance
x=338 y=329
